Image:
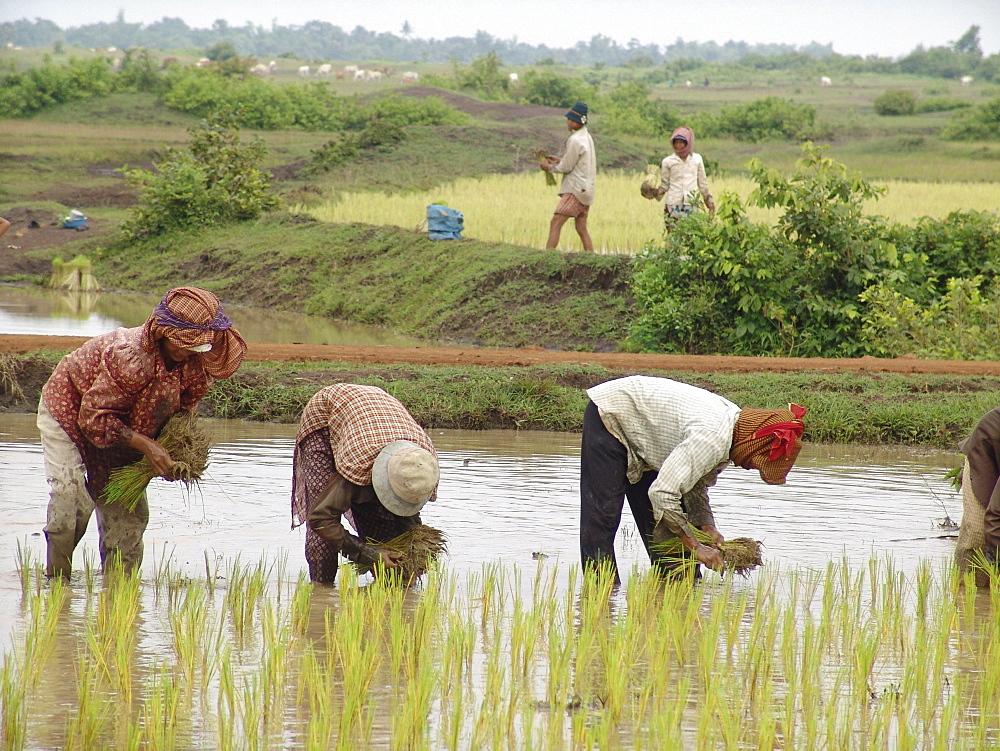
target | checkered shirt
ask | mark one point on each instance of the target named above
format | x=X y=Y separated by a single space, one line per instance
x=680 y=431
x=362 y=421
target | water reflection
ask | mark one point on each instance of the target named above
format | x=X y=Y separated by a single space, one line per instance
x=507 y=496
x=32 y=310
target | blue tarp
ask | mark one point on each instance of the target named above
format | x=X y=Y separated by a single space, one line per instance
x=444 y=223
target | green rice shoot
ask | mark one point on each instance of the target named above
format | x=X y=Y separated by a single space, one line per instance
x=188 y=446
x=419 y=547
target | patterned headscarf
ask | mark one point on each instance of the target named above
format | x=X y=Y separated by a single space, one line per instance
x=688 y=135
x=188 y=317
x=769 y=441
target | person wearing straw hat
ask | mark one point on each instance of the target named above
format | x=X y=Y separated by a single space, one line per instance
x=979 y=532
x=359 y=455
x=578 y=166
x=104 y=405
x=661 y=444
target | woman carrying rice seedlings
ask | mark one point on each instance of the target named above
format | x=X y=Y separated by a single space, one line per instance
x=682 y=177
x=661 y=444
x=358 y=454
x=103 y=406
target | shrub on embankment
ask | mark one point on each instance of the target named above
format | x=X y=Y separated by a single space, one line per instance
x=470 y=292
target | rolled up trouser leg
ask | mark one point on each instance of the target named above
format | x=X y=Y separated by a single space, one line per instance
x=121 y=533
x=971 y=534
x=70 y=505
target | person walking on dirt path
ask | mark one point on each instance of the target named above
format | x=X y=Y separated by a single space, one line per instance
x=661 y=444
x=578 y=166
x=103 y=406
x=979 y=532
x=359 y=454
x=682 y=175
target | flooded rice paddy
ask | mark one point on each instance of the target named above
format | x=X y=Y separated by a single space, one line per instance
x=855 y=633
x=33 y=310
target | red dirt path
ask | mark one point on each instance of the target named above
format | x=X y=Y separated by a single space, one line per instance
x=20 y=344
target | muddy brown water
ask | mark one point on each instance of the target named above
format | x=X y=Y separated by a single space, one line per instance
x=505 y=496
x=31 y=310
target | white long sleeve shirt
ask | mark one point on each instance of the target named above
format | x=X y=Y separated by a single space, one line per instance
x=578 y=167
x=680 y=431
x=678 y=177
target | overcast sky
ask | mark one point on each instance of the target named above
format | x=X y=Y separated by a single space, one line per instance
x=888 y=28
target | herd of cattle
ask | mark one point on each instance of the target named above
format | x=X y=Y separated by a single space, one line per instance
x=350 y=72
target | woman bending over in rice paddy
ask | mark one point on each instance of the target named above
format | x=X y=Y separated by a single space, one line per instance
x=979 y=533
x=661 y=444
x=359 y=454
x=105 y=403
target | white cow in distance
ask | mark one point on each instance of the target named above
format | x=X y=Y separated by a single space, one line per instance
x=825 y=81
x=324 y=70
x=374 y=75
x=272 y=67
x=966 y=80
x=360 y=75
x=512 y=77
x=260 y=70
x=411 y=77
x=350 y=69
x=304 y=71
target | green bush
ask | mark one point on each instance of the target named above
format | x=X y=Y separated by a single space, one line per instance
x=216 y=179
x=895 y=102
x=309 y=106
x=23 y=94
x=979 y=123
x=628 y=110
x=548 y=88
x=728 y=285
x=761 y=120
x=941 y=104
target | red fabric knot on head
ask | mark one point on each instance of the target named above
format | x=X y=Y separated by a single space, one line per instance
x=785 y=433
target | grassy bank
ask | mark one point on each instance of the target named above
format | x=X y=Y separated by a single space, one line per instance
x=917 y=410
x=466 y=291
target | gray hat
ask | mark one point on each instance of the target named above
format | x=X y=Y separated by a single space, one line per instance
x=405 y=476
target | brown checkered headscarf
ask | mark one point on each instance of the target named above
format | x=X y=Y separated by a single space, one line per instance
x=188 y=317
x=768 y=440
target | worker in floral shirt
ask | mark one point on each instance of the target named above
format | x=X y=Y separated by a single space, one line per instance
x=359 y=455
x=661 y=444
x=104 y=405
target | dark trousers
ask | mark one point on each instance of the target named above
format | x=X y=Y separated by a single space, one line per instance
x=604 y=486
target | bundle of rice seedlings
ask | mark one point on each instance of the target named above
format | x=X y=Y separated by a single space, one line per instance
x=187 y=443
x=543 y=158
x=419 y=546
x=740 y=555
x=651 y=183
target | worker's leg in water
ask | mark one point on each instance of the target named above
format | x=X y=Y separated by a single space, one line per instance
x=121 y=533
x=603 y=465
x=322 y=557
x=70 y=505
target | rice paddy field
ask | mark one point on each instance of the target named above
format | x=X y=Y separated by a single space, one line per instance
x=516 y=208
x=856 y=633
x=256 y=658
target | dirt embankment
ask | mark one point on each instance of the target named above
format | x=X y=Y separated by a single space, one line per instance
x=525 y=356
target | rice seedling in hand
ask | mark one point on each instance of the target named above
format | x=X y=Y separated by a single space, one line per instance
x=740 y=554
x=543 y=158
x=418 y=547
x=187 y=444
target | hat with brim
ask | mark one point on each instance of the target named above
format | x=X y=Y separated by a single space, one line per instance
x=404 y=477
x=578 y=113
